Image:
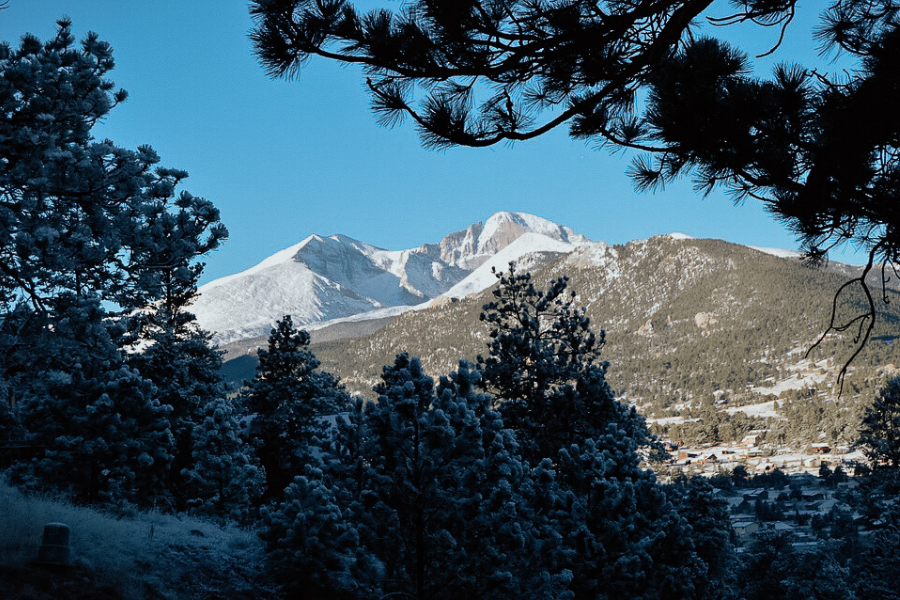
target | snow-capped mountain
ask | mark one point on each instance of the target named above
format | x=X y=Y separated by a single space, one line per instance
x=473 y=246
x=326 y=278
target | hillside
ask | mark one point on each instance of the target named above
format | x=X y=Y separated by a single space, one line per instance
x=690 y=325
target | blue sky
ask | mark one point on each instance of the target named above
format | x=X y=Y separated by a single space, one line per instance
x=286 y=159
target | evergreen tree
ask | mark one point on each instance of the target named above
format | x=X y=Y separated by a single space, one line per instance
x=440 y=505
x=287 y=400
x=185 y=370
x=772 y=569
x=545 y=371
x=709 y=520
x=621 y=535
x=878 y=564
x=313 y=547
x=86 y=222
x=79 y=215
x=880 y=431
x=224 y=478
x=106 y=435
x=507 y=70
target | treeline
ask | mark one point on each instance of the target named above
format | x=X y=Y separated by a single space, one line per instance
x=766 y=313
x=517 y=475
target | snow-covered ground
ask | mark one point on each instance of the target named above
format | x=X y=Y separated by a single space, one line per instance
x=763 y=410
x=527 y=244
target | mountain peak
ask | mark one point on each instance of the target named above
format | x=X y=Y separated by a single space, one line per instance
x=324 y=278
x=473 y=246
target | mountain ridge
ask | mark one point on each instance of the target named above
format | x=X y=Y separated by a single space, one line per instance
x=697 y=333
x=331 y=277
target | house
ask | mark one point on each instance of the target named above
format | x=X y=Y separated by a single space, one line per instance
x=757 y=494
x=745 y=529
x=750 y=440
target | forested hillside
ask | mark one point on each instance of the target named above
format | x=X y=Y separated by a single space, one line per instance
x=690 y=325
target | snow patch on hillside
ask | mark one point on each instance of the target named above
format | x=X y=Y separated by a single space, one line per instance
x=763 y=410
x=779 y=252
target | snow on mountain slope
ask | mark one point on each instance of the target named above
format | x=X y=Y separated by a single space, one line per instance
x=779 y=252
x=325 y=278
x=473 y=246
x=524 y=250
x=248 y=305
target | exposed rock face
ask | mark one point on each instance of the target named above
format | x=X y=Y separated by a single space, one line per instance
x=460 y=247
x=646 y=330
x=471 y=247
x=704 y=320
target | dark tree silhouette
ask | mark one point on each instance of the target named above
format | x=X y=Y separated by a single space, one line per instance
x=544 y=369
x=493 y=70
x=288 y=398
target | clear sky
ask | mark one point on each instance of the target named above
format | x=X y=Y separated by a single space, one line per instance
x=286 y=159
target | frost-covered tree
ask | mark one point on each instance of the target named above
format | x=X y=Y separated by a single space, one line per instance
x=771 y=569
x=313 y=544
x=82 y=215
x=545 y=371
x=618 y=532
x=442 y=505
x=286 y=400
x=404 y=502
x=106 y=435
x=621 y=535
x=423 y=495
x=878 y=564
x=185 y=370
x=85 y=221
x=224 y=478
x=710 y=531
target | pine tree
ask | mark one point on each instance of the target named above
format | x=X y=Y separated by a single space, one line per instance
x=185 y=370
x=313 y=547
x=880 y=431
x=224 y=478
x=437 y=502
x=80 y=215
x=106 y=435
x=771 y=569
x=287 y=400
x=544 y=368
x=877 y=566
x=621 y=535
x=710 y=532
x=86 y=222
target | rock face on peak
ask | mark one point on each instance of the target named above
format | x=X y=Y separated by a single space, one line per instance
x=473 y=246
x=326 y=278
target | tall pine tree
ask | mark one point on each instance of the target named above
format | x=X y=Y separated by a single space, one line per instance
x=545 y=371
x=287 y=399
